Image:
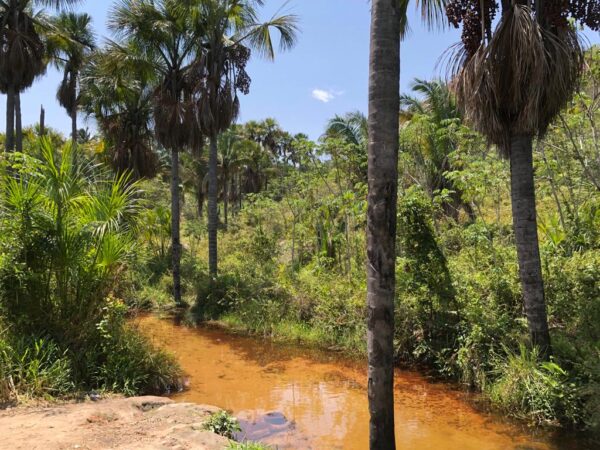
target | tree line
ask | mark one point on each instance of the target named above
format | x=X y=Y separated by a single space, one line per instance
x=167 y=87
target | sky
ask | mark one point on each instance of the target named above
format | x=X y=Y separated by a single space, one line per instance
x=325 y=74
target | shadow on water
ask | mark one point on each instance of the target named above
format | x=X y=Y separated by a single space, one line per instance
x=298 y=398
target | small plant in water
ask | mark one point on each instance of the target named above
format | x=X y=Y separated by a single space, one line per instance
x=223 y=423
x=248 y=446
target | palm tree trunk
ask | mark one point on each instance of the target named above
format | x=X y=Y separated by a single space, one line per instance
x=42 y=121
x=18 y=123
x=75 y=75
x=384 y=105
x=175 y=229
x=526 y=236
x=10 y=119
x=212 y=207
x=294 y=242
x=240 y=193
x=199 y=197
x=74 y=126
x=225 y=198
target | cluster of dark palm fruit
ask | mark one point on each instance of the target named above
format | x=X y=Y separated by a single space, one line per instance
x=468 y=12
x=239 y=57
x=557 y=12
x=586 y=12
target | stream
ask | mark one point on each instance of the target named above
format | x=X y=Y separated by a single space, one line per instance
x=297 y=398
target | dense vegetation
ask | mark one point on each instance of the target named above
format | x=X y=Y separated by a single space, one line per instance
x=67 y=237
x=292 y=249
x=90 y=228
x=292 y=258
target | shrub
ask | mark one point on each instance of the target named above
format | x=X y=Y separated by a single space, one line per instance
x=130 y=364
x=427 y=308
x=67 y=230
x=533 y=390
x=223 y=423
x=127 y=361
x=67 y=235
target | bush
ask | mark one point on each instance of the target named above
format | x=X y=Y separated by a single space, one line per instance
x=127 y=361
x=67 y=232
x=537 y=391
x=223 y=423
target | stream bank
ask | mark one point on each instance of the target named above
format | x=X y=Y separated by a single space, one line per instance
x=136 y=423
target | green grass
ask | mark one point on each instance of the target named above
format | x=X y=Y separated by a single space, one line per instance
x=284 y=331
x=290 y=332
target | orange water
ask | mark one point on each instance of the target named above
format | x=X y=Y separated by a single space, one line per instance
x=294 y=398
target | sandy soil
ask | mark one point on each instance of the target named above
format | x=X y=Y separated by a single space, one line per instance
x=128 y=424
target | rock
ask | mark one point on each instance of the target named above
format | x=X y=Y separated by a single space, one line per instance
x=138 y=423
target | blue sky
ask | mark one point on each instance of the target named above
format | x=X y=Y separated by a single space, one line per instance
x=324 y=75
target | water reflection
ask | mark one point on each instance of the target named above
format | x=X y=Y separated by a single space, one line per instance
x=298 y=399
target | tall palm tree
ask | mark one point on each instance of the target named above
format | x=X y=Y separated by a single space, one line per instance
x=200 y=167
x=511 y=83
x=70 y=41
x=384 y=107
x=257 y=165
x=388 y=25
x=22 y=54
x=232 y=28
x=437 y=106
x=167 y=35
x=230 y=160
x=119 y=95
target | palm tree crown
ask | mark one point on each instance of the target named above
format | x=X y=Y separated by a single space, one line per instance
x=22 y=54
x=70 y=41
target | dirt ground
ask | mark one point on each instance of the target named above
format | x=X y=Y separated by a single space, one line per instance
x=128 y=424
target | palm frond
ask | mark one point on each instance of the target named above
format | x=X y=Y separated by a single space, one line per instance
x=519 y=81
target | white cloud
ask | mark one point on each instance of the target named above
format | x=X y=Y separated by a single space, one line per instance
x=323 y=96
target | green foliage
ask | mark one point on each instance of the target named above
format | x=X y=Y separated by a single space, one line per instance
x=33 y=367
x=133 y=366
x=222 y=423
x=67 y=229
x=425 y=291
x=67 y=234
x=535 y=391
x=130 y=364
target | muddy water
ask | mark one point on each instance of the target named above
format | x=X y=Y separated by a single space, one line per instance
x=298 y=399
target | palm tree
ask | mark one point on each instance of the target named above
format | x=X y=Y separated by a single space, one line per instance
x=232 y=28
x=70 y=41
x=200 y=168
x=388 y=25
x=437 y=106
x=22 y=55
x=353 y=129
x=167 y=36
x=511 y=83
x=119 y=94
x=257 y=165
x=384 y=104
x=228 y=162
